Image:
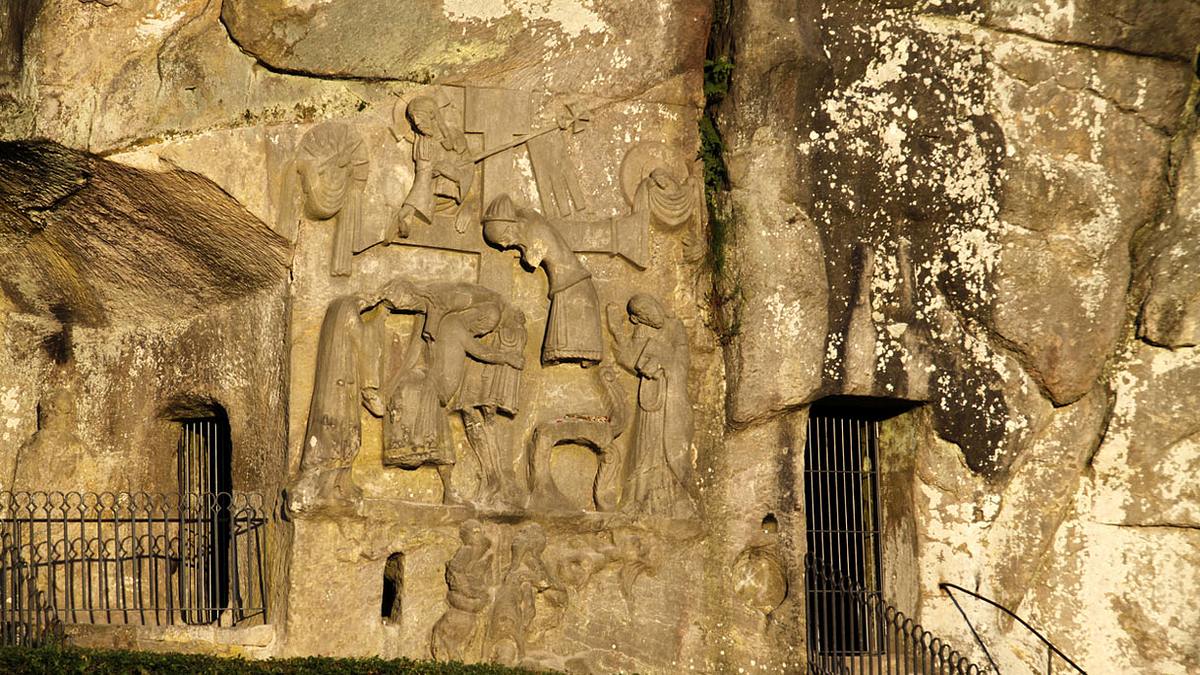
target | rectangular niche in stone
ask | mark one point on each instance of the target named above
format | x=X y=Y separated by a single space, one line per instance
x=390 y=605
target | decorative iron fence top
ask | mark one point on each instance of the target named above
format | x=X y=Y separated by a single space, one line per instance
x=20 y=504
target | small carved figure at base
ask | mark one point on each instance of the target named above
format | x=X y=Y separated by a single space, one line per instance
x=469 y=579
x=515 y=605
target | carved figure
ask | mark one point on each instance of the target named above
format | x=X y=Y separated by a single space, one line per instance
x=594 y=431
x=347 y=354
x=430 y=379
x=489 y=389
x=667 y=192
x=573 y=325
x=52 y=457
x=515 y=606
x=657 y=470
x=330 y=169
x=469 y=579
x=444 y=171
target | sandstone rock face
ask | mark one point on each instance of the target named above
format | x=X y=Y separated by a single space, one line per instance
x=514 y=387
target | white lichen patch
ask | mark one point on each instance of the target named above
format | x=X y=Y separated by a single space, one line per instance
x=157 y=23
x=572 y=17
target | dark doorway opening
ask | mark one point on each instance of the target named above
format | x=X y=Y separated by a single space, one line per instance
x=842 y=512
x=393 y=588
x=205 y=471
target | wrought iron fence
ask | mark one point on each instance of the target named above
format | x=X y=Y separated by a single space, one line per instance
x=134 y=558
x=852 y=630
x=26 y=616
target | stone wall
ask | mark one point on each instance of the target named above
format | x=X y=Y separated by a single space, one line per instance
x=984 y=207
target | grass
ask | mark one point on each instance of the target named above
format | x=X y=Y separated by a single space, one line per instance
x=57 y=660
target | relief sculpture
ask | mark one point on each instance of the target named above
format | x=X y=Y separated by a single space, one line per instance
x=593 y=431
x=657 y=471
x=573 y=325
x=515 y=607
x=469 y=580
x=488 y=390
x=346 y=377
x=327 y=178
x=429 y=381
x=444 y=172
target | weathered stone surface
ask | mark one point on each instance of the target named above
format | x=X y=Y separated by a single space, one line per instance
x=1166 y=257
x=570 y=46
x=1145 y=469
x=980 y=215
x=1168 y=29
x=1076 y=192
x=778 y=291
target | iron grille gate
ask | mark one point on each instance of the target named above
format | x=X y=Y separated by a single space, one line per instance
x=205 y=485
x=841 y=490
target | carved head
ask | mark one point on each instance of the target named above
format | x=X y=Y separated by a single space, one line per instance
x=483 y=318
x=424 y=115
x=530 y=540
x=645 y=310
x=471 y=533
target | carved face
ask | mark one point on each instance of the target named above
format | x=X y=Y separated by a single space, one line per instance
x=501 y=233
x=644 y=310
x=472 y=534
x=484 y=319
x=423 y=114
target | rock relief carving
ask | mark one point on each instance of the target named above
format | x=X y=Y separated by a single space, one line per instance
x=759 y=578
x=469 y=580
x=488 y=390
x=671 y=189
x=346 y=378
x=444 y=171
x=630 y=553
x=327 y=178
x=53 y=455
x=430 y=380
x=657 y=471
x=593 y=431
x=573 y=325
x=515 y=606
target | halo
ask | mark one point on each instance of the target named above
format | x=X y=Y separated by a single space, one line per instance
x=645 y=157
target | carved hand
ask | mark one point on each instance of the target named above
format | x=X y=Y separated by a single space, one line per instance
x=373 y=401
x=401 y=221
x=650 y=368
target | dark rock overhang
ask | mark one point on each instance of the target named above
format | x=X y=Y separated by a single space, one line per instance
x=90 y=242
